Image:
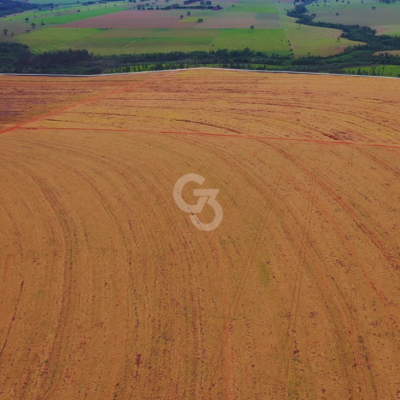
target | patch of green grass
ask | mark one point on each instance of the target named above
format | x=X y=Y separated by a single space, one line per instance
x=377 y=70
x=56 y=38
x=268 y=40
x=120 y=41
x=192 y=19
x=254 y=8
x=265 y=273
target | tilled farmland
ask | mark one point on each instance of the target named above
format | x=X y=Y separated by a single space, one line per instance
x=108 y=290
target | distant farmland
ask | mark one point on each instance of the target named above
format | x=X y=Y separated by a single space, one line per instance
x=118 y=28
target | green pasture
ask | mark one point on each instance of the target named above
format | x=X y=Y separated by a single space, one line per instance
x=129 y=41
x=252 y=7
x=119 y=41
x=377 y=70
x=313 y=40
x=268 y=40
x=50 y=39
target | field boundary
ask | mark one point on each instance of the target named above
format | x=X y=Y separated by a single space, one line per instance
x=198 y=68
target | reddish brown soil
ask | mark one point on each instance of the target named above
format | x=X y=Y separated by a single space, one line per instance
x=242 y=20
x=133 y=19
x=108 y=291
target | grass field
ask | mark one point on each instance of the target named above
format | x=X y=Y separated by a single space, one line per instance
x=252 y=7
x=107 y=289
x=123 y=41
x=120 y=41
x=58 y=38
x=256 y=6
x=379 y=70
x=270 y=40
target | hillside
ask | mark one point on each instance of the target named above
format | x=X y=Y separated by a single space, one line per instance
x=107 y=289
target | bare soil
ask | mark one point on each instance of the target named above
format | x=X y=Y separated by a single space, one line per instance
x=107 y=290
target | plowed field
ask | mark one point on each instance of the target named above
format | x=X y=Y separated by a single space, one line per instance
x=108 y=291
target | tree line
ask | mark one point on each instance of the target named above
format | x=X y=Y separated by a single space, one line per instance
x=17 y=58
x=8 y=7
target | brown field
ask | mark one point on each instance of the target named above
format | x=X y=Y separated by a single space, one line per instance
x=108 y=291
x=242 y=21
x=133 y=19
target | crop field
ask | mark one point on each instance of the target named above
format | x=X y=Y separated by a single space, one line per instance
x=107 y=289
x=137 y=19
x=242 y=20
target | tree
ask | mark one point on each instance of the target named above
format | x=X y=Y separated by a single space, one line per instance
x=188 y=13
x=5 y=31
x=252 y=27
x=27 y=19
x=33 y=25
